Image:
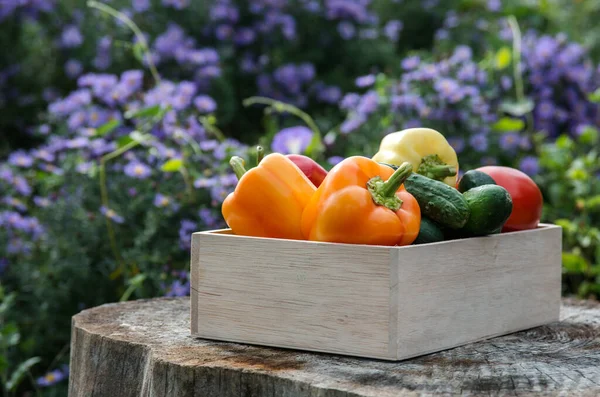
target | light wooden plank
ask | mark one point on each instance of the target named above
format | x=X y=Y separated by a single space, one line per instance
x=313 y=296
x=467 y=290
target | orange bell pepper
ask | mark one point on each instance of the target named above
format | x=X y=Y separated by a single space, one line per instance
x=363 y=202
x=269 y=199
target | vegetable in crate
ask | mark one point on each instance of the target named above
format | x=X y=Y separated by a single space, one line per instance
x=427 y=150
x=438 y=201
x=490 y=207
x=311 y=168
x=269 y=199
x=363 y=202
x=526 y=197
x=429 y=232
x=473 y=179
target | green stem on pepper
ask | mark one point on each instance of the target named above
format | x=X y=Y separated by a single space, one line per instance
x=260 y=154
x=384 y=192
x=237 y=163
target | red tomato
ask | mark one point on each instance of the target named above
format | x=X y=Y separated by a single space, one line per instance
x=526 y=196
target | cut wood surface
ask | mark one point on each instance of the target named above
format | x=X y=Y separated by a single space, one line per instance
x=144 y=348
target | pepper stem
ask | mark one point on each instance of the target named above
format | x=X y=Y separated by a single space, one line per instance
x=260 y=153
x=384 y=192
x=433 y=167
x=237 y=163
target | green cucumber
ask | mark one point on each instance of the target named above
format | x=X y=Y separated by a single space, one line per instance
x=439 y=202
x=473 y=179
x=490 y=207
x=429 y=232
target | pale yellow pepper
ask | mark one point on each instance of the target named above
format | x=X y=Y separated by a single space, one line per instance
x=425 y=149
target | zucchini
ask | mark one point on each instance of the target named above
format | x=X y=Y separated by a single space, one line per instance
x=473 y=179
x=490 y=207
x=429 y=232
x=439 y=202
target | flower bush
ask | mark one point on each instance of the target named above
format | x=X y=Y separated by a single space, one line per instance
x=122 y=118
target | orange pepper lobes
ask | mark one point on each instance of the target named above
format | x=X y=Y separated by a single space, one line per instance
x=269 y=199
x=363 y=202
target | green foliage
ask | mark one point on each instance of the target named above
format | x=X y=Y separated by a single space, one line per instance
x=570 y=183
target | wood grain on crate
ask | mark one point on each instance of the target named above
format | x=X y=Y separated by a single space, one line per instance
x=373 y=301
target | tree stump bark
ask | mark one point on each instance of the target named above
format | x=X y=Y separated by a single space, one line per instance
x=144 y=348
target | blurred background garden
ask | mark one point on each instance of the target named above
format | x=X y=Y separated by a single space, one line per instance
x=118 y=118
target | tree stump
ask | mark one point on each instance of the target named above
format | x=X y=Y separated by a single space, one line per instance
x=144 y=348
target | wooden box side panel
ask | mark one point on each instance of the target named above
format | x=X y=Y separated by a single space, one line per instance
x=458 y=292
x=312 y=296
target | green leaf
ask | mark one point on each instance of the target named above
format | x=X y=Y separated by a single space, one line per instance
x=138 y=136
x=573 y=263
x=134 y=284
x=124 y=140
x=9 y=335
x=19 y=373
x=589 y=136
x=503 y=58
x=108 y=127
x=138 y=51
x=172 y=165
x=151 y=111
x=7 y=302
x=506 y=124
x=595 y=96
x=517 y=109
x=593 y=203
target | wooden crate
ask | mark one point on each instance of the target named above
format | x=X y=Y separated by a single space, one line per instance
x=381 y=302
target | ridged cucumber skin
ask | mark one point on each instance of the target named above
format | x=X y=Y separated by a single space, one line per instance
x=429 y=232
x=473 y=179
x=490 y=206
x=439 y=202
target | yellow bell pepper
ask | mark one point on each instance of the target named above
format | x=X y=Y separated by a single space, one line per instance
x=427 y=150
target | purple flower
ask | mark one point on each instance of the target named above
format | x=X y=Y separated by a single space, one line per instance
x=223 y=32
x=208 y=218
x=178 y=288
x=365 y=81
x=21 y=186
x=529 y=165
x=392 y=29
x=136 y=169
x=329 y=94
x=73 y=68
x=350 y=101
x=51 y=378
x=162 y=201
x=15 y=203
x=368 y=103
x=448 y=89
x=479 y=142
x=41 y=202
x=546 y=48
x=545 y=110
x=410 y=63
x=205 y=104
x=457 y=143
x=177 y=4
x=346 y=30
x=71 y=37
x=140 y=5
x=132 y=79
x=111 y=214
x=352 y=124
x=506 y=83
x=201 y=183
x=245 y=36
x=494 y=5
x=333 y=160
x=186 y=228
x=20 y=159
x=509 y=141
x=292 y=140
